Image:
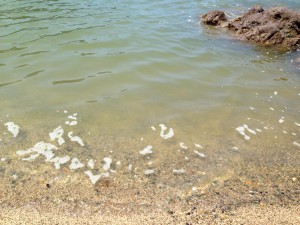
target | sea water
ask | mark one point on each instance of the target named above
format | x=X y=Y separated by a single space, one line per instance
x=140 y=87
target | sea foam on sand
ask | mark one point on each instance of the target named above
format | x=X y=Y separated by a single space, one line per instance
x=95 y=178
x=40 y=148
x=147 y=150
x=163 y=129
x=75 y=138
x=59 y=161
x=75 y=164
x=107 y=163
x=13 y=128
x=57 y=133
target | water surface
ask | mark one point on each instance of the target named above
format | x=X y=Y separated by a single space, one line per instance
x=126 y=66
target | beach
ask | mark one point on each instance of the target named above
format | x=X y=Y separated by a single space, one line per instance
x=138 y=113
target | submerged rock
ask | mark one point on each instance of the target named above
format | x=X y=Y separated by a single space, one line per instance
x=278 y=26
x=214 y=18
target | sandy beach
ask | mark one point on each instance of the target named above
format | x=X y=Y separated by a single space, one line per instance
x=260 y=193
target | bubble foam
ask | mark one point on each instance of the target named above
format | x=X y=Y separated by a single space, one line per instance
x=13 y=128
x=107 y=163
x=146 y=150
x=57 y=133
x=75 y=138
x=60 y=161
x=95 y=178
x=163 y=129
x=75 y=164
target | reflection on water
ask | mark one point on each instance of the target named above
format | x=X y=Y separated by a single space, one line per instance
x=129 y=70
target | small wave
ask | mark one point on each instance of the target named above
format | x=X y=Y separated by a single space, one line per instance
x=67 y=81
x=8 y=83
x=34 y=73
x=33 y=53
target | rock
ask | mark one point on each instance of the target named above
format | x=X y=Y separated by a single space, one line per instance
x=278 y=26
x=214 y=18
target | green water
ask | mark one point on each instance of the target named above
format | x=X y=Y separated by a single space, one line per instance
x=126 y=66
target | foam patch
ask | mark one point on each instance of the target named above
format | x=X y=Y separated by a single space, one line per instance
x=167 y=135
x=95 y=178
x=107 y=163
x=75 y=138
x=147 y=150
x=75 y=164
x=57 y=133
x=13 y=128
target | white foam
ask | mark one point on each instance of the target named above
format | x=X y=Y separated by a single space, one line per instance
x=72 y=117
x=15 y=176
x=107 y=163
x=75 y=164
x=59 y=161
x=186 y=158
x=202 y=155
x=252 y=108
x=258 y=130
x=24 y=152
x=275 y=93
x=41 y=148
x=73 y=123
x=57 y=133
x=67 y=122
x=153 y=128
x=198 y=146
x=75 y=138
x=3 y=159
x=147 y=150
x=235 y=148
x=94 y=178
x=32 y=157
x=163 y=129
x=12 y=128
x=294 y=134
x=248 y=129
x=148 y=172
x=296 y=143
x=65 y=111
x=48 y=155
x=130 y=167
x=183 y=145
x=281 y=120
x=297 y=124
x=272 y=108
x=179 y=171
x=242 y=130
x=91 y=163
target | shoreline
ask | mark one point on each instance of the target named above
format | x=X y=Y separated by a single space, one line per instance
x=255 y=195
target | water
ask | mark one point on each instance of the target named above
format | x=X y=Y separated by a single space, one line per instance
x=125 y=67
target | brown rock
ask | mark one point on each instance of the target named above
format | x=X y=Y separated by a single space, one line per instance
x=214 y=18
x=278 y=26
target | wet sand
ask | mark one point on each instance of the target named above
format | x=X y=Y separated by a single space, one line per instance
x=263 y=190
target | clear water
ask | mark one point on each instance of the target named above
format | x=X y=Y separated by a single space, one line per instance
x=125 y=66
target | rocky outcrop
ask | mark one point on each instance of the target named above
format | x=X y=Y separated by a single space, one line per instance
x=279 y=26
x=214 y=18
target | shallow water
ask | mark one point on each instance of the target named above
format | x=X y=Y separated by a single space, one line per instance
x=124 y=67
